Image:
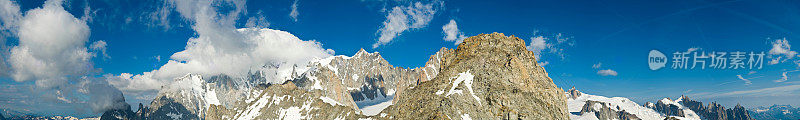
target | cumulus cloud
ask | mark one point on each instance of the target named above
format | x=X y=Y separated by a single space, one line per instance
x=51 y=46
x=781 y=51
x=220 y=48
x=402 y=18
x=294 y=12
x=51 y=52
x=607 y=72
x=451 y=32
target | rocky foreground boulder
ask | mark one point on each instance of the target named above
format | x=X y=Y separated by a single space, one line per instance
x=489 y=76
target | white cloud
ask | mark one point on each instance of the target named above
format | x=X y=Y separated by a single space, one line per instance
x=597 y=66
x=158 y=17
x=51 y=46
x=607 y=72
x=781 y=51
x=129 y=82
x=785 y=76
x=294 y=12
x=772 y=91
x=543 y=43
x=51 y=52
x=9 y=14
x=100 y=46
x=452 y=33
x=402 y=18
x=9 y=17
x=690 y=50
x=220 y=48
x=537 y=46
x=545 y=63
x=746 y=81
x=258 y=21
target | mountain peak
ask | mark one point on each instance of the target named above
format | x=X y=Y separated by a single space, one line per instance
x=492 y=71
x=574 y=93
x=495 y=42
x=362 y=52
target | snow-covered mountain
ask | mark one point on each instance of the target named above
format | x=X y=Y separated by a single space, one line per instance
x=584 y=106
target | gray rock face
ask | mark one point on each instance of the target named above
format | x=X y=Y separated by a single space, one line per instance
x=604 y=112
x=491 y=76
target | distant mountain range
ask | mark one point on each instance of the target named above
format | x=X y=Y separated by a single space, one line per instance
x=776 y=112
x=592 y=107
x=489 y=76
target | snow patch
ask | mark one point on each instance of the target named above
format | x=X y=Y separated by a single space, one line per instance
x=317 y=84
x=466 y=117
x=390 y=92
x=465 y=77
x=330 y=101
x=175 y=116
x=375 y=109
x=292 y=113
x=211 y=97
x=575 y=106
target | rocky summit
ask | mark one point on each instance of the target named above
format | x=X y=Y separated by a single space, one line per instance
x=489 y=76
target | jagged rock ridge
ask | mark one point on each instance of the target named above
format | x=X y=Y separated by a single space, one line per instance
x=716 y=111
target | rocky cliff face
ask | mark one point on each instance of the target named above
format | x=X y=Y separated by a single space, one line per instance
x=490 y=76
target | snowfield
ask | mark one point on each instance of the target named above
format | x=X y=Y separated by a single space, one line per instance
x=575 y=105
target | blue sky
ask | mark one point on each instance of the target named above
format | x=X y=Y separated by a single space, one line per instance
x=141 y=36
